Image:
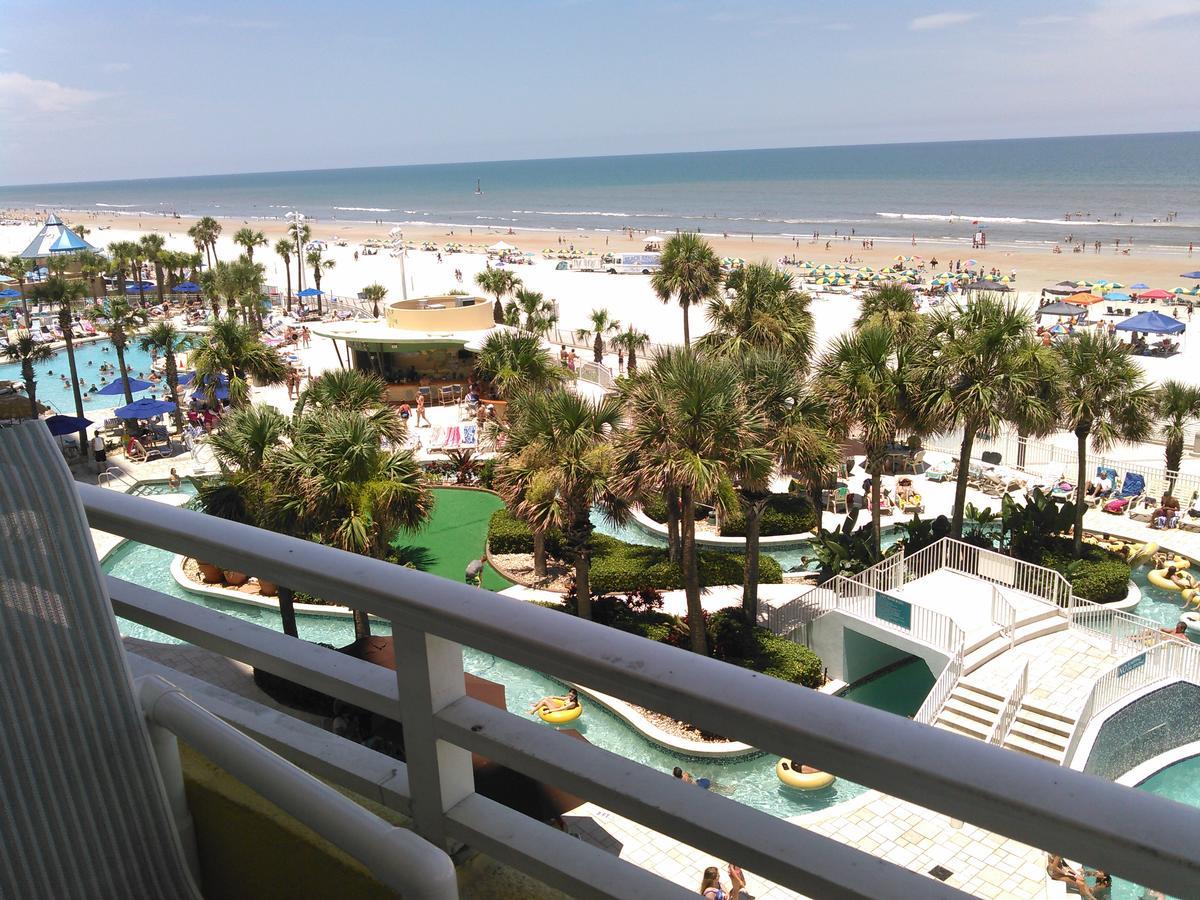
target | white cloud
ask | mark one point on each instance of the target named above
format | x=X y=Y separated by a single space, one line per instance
x=20 y=92
x=1044 y=20
x=940 y=20
x=1118 y=15
x=116 y=67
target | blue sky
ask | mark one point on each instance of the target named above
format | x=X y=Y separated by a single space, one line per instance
x=134 y=89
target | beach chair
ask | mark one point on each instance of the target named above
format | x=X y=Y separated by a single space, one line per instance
x=1103 y=496
x=94 y=799
x=1190 y=519
x=1142 y=509
x=838 y=497
x=1062 y=490
x=942 y=470
x=914 y=463
x=1132 y=488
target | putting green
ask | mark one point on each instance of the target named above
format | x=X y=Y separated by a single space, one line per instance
x=455 y=534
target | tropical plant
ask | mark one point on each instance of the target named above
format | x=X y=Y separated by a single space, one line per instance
x=248 y=239
x=530 y=312
x=283 y=249
x=240 y=284
x=164 y=336
x=300 y=235
x=117 y=318
x=890 y=304
x=354 y=391
x=234 y=350
x=374 y=293
x=1177 y=406
x=246 y=436
x=499 y=283
x=204 y=234
x=632 y=342
x=516 y=363
x=315 y=258
x=152 y=246
x=28 y=352
x=846 y=550
x=16 y=267
x=557 y=463
x=1108 y=401
x=690 y=272
x=980 y=366
x=602 y=325
x=761 y=310
x=1029 y=528
x=865 y=378
x=124 y=255
x=91 y=266
x=67 y=295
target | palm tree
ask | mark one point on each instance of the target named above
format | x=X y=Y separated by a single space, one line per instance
x=124 y=257
x=603 y=326
x=28 y=353
x=375 y=293
x=319 y=265
x=631 y=341
x=249 y=239
x=197 y=234
x=246 y=436
x=205 y=233
x=15 y=267
x=337 y=484
x=283 y=249
x=1108 y=401
x=531 y=312
x=688 y=420
x=152 y=246
x=980 y=366
x=764 y=312
x=66 y=294
x=239 y=283
x=690 y=272
x=91 y=267
x=499 y=283
x=164 y=336
x=517 y=363
x=300 y=234
x=1177 y=405
x=558 y=460
x=119 y=320
x=865 y=378
x=354 y=391
x=234 y=350
x=890 y=304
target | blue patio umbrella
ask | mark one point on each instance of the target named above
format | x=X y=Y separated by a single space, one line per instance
x=138 y=287
x=187 y=377
x=313 y=292
x=186 y=287
x=118 y=386
x=9 y=292
x=1152 y=322
x=60 y=425
x=146 y=408
x=1140 y=286
x=221 y=393
x=1190 y=275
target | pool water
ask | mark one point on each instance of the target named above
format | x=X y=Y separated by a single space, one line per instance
x=1162 y=606
x=88 y=357
x=900 y=689
x=1179 y=782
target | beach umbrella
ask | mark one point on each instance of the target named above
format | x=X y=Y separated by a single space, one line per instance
x=1084 y=299
x=1059 y=329
x=1138 y=287
x=9 y=292
x=1190 y=275
x=1152 y=322
x=138 y=287
x=60 y=425
x=1116 y=295
x=187 y=377
x=118 y=386
x=1156 y=294
x=186 y=287
x=145 y=408
x=310 y=292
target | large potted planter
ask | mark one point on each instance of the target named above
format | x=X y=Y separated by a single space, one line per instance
x=209 y=573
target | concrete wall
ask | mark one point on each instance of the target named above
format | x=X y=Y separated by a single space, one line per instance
x=440 y=314
x=1150 y=725
x=836 y=636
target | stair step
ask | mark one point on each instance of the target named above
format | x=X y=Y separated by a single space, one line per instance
x=976 y=689
x=1033 y=719
x=1046 y=612
x=982 y=708
x=1041 y=751
x=1046 y=738
x=969 y=727
x=1026 y=706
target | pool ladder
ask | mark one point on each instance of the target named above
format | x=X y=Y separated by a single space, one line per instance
x=111 y=474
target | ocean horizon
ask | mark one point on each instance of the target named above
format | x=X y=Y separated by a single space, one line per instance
x=1030 y=191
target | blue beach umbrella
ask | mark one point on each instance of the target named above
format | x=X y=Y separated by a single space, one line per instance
x=1140 y=286
x=1190 y=275
x=146 y=408
x=60 y=425
x=310 y=292
x=118 y=386
x=138 y=287
x=1116 y=295
x=187 y=377
x=9 y=292
x=186 y=287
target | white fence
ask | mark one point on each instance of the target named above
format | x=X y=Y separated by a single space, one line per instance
x=989 y=565
x=1004 y=614
x=1009 y=712
x=942 y=688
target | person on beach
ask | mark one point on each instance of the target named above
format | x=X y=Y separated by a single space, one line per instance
x=421 y=417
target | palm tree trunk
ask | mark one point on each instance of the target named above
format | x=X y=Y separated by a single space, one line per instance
x=30 y=386
x=288 y=272
x=753 y=510
x=173 y=383
x=583 y=584
x=216 y=258
x=362 y=625
x=631 y=368
x=876 y=475
x=1174 y=460
x=287 y=611
x=598 y=348
x=539 y=553
x=70 y=341
x=816 y=498
x=158 y=279
x=687 y=334
x=691 y=573
x=1081 y=436
x=960 y=486
x=119 y=343
x=673 y=543
x=25 y=308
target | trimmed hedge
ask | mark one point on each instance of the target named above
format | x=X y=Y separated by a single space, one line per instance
x=655 y=507
x=785 y=514
x=735 y=641
x=618 y=567
x=1100 y=576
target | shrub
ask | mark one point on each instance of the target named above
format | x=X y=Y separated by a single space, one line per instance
x=487 y=473
x=1100 y=576
x=508 y=534
x=735 y=641
x=655 y=506
x=784 y=514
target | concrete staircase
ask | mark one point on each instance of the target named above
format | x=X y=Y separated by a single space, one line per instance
x=971 y=710
x=1040 y=732
x=1046 y=621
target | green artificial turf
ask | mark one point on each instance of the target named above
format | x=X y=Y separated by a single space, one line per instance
x=455 y=534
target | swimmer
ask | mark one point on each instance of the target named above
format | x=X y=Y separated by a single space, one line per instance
x=554 y=704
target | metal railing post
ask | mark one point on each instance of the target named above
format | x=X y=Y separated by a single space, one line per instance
x=429 y=675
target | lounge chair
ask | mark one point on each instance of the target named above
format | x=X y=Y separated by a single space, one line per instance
x=943 y=470
x=94 y=800
x=838 y=497
x=1132 y=488
x=1142 y=509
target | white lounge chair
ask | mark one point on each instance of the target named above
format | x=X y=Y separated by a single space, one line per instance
x=90 y=781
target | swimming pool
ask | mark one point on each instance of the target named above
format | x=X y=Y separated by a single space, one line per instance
x=1161 y=606
x=88 y=357
x=1179 y=782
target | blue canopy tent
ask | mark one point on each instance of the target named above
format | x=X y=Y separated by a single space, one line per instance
x=146 y=408
x=118 y=386
x=1118 y=296
x=1152 y=322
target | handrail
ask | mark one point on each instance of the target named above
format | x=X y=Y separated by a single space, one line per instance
x=1011 y=705
x=942 y=688
x=990 y=565
x=114 y=473
x=857 y=598
x=1125 y=630
x=1004 y=614
x=1022 y=798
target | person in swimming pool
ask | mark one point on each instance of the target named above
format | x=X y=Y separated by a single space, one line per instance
x=556 y=704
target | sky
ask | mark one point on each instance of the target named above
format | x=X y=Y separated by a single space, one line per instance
x=126 y=89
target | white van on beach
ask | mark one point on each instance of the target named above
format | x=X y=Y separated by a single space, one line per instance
x=634 y=263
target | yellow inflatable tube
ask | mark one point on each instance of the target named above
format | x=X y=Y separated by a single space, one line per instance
x=795 y=776
x=561 y=716
x=1158 y=578
x=1140 y=553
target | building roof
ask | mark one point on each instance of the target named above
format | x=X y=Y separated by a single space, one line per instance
x=53 y=238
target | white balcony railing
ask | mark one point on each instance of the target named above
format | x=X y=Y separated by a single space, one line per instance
x=942 y=688
x=1151 y=842
x=1011 y=705
x=998 y=568
x=1004 y=615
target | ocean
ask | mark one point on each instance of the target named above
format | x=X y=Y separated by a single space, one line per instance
x=1140 y=188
